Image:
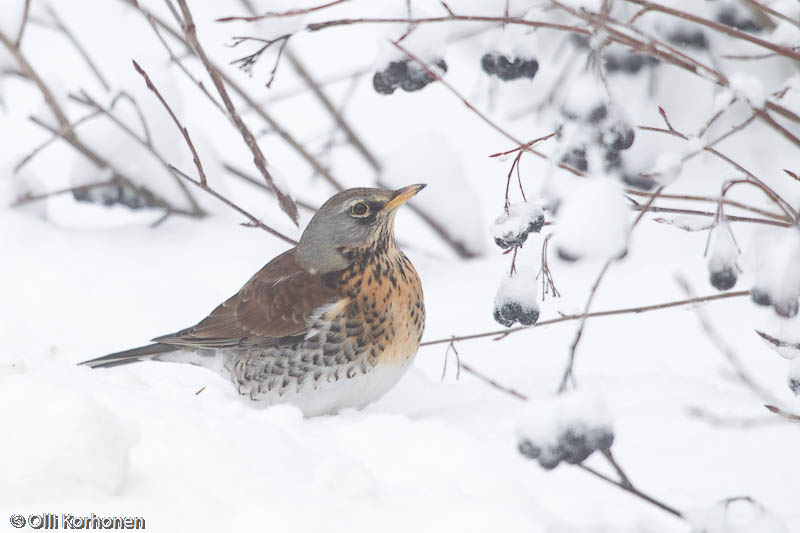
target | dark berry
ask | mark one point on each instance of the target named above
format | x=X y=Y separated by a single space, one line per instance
x=489 y=63
x=115 y=194
x=509 y=69
x=528 y=317
x=576 y=158
x=613 y=160
x=381 y=83
x=603 y=440
x=689 y=37
x=536 y=225
x=794 y=386
x=575 y=445
x=509 y=242
x=639 y=181
x=528 y=449
x=528 y=69
x=597 y=114
x=396 y=72
x=724 y=279
x=735 y=18
x=618 y=137
x=566 y=256
x=760 y=296
x=578 y=40
x=786 y=309
x=500 y=319
x=629 y=63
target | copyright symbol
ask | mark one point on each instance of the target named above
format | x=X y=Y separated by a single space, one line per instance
x=17 y=520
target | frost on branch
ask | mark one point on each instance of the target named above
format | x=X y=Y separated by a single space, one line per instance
x=735 y=515
x=513 y=226
x=516 y=299
x=777 y=280
x=722 y=255
x=593 y=221
x=566 y=427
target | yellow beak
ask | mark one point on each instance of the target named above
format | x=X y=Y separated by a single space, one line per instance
x=403 y=195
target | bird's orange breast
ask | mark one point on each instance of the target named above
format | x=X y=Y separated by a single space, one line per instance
x=385 y=295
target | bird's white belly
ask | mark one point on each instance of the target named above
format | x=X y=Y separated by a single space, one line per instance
x=331 y=396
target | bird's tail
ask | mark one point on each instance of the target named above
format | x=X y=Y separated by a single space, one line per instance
x=134 y=355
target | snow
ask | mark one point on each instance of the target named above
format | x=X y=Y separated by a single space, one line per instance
x=13 y=11
x=738 y=516
x=559 y=427
x=429 y=158
x=176 y=444
x=779 y=272
x=519 y=287
x=513 y=226
x=584 y=95
x=667 y=168
x=722 y=249
x=792 y=97
x=748 y=87
x=79 y=441
x=594 y=221
x=515 y=41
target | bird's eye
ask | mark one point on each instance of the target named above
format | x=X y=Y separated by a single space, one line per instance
x=359 y=209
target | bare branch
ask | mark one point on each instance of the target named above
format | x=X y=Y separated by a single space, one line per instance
x=502 y=333
x=190 y=32
x=182 y=129
x=279 y=14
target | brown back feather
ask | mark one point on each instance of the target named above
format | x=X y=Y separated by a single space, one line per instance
x=274 y=304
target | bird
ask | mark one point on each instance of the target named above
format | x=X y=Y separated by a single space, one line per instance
x=331 y=323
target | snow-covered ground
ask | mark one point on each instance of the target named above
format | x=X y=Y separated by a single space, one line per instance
x=176 y=445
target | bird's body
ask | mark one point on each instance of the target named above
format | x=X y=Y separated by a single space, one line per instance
x=304 y=331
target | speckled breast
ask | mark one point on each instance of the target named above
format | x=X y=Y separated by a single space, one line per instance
x=356 y=348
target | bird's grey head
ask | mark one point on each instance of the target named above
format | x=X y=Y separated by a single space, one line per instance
x=352 y=220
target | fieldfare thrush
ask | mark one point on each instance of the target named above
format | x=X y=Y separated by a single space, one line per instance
x=331 y=323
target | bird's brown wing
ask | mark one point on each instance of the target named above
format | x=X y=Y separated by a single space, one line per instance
x=275 y=303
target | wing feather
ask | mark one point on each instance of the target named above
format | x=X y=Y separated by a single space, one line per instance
x=275 y=303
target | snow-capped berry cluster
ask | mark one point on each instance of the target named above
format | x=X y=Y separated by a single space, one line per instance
x=567 y=427
x=516 y=299
x=116 y=194
x=592 y=131
x=513 y=226
x=722 y=255
x=508 y=69
x=777 y=279
x=405 y=74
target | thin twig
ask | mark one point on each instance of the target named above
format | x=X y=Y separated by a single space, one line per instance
x=279 y=14
x=196 y=158
x=502 y=333
x=190 y=32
